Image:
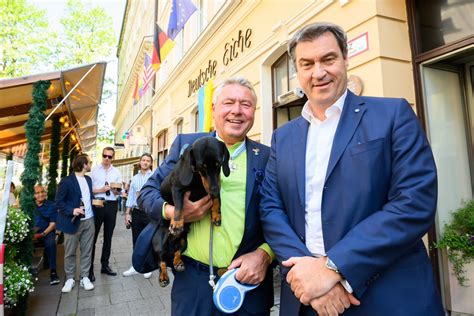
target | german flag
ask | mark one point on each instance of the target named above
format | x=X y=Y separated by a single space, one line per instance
x=162 y=45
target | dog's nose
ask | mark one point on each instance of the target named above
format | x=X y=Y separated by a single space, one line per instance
x=215 y=192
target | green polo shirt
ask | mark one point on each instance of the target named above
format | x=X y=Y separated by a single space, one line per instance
x=228 y=236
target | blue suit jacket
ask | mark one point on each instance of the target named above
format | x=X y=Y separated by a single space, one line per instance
x=150 y=200
x=379 y=199
x=67 y=199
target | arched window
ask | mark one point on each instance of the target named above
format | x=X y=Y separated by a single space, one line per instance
x=162 y=146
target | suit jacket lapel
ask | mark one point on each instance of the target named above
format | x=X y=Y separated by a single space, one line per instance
x=298 y=153
x=350 y=117
x=252 y=163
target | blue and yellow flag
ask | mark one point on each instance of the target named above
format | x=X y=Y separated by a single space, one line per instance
x=205 y=94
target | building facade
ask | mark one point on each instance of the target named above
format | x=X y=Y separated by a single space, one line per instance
x=396 y=49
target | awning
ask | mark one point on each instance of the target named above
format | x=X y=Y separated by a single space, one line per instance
x=126 y=161
x=81 y=106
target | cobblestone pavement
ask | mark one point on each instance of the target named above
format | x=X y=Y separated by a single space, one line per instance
x=112 y=295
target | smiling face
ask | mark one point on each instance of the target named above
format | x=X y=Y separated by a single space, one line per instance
x=145 y=163
x=321 y=71
x=40 y=194
x=233 y=113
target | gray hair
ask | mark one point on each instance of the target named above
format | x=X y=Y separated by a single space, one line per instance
x=234 y=80
x=315 y=30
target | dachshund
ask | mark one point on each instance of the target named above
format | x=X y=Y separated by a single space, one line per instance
x=198 y=171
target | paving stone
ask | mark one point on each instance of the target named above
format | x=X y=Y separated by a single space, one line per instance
x=115 y=310
x=146 y=305
x=102 y=289
x=125 y=296
x=86 y=312
x=93 y=301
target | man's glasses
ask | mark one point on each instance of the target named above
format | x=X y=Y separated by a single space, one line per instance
x=107 y=156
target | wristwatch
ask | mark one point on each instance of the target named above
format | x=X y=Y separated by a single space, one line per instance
x=332 y=266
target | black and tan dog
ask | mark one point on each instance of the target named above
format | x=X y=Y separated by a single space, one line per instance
x=198 y=171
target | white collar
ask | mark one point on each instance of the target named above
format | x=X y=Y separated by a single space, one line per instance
x=308 y=115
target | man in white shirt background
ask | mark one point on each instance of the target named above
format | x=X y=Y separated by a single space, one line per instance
x=102 y=176
x=136 y=218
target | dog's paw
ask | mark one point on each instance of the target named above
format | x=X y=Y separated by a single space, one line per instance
x=176 y=230
x=179 y=267
x=217 y=222
x=164 y=282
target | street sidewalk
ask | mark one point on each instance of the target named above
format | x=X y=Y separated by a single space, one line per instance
x=115 y=296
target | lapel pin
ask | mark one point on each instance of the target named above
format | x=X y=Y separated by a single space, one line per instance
x=256 y=151
x=357 y=110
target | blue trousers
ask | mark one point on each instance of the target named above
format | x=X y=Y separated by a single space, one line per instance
x=191 y=295
x=50 y=248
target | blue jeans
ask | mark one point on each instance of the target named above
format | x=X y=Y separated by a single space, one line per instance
x=50 y=248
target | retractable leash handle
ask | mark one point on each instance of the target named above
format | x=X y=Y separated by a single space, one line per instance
x=229 y=293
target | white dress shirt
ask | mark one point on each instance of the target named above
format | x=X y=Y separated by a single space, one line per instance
x=318 y=149
x=86 y=197
x=136 y=185
x=100 y=175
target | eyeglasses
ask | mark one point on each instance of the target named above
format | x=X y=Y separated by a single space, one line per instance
x=107 y=156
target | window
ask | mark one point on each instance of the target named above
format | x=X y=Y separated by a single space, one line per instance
x=443 y=22
x=195 y=120
x=283 y=80
x=162 y=146
x=179 y=126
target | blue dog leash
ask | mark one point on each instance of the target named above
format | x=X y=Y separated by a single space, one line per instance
x=228 y=294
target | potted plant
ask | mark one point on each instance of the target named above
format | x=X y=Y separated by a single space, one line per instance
x=458 y=240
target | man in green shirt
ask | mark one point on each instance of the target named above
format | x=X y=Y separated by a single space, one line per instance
x=238 y=242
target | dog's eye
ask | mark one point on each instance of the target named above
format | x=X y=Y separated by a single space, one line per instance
x=217 y=164
x=204 y=165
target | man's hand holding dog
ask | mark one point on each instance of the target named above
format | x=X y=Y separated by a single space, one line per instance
x=253 y=266
x=192 y=211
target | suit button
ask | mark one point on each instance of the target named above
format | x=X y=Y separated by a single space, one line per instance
x=325 y=187
x=301 y=237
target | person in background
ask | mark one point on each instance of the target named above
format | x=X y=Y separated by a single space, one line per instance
x=45 y=229
x=75 y=219
x=11 y=197
x=346 y=210
x=102 y=176
x=134 y=216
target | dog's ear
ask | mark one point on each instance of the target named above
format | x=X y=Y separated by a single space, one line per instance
x=225 y=160
x=187 y=166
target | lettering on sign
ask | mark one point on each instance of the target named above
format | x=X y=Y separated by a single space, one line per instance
x=204 y=76
x=232 y=50
x=358 y=45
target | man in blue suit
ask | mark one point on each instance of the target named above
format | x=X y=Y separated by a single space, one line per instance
x=76 y=220
x=345 y=212
x=238 y=242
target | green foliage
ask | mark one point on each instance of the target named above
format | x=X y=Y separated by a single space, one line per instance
x=18 y=281
x=17 y=284
x=34 y=129
x=24 y=38
x=106 y=132
x=16 y=228
x=54 y=158
x=65 y=155
x=87 y=35
x=458 y=240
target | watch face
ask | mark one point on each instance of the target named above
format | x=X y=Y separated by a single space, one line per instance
x=331 y=265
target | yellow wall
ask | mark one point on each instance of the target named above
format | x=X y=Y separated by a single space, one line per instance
x=385 y=69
